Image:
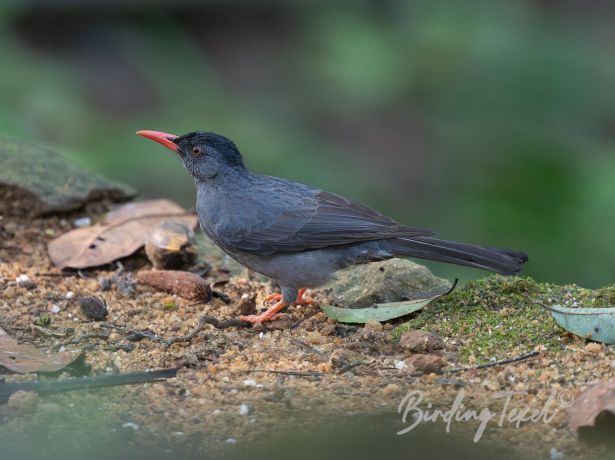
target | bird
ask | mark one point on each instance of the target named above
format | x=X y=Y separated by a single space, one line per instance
x=300 y=236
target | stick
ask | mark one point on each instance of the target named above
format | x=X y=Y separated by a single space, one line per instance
x=291 y=373
x=523 y=357
x=203 y=321
x=99 y=381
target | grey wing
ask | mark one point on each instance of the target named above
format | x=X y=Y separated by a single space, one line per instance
x=321 y=220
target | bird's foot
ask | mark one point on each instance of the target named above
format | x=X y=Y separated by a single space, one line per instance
x=275 y=296
x=269 y=315
x=303 y=301
x=299 y=301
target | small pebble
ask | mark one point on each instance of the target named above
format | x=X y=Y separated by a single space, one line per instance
x=373 y=326
x=400 y=364
x=421 y=341
x=55 y=309
x=231 y=441
x=281 y=323
x=556 y=454
x=244 y=409
x=314 y=338
x=593 y=347
x=131 y=425
x=70 y=295
x=93 y=308
x=82 y=222
x=24 y=281
x=426 y=363
x=390 y=390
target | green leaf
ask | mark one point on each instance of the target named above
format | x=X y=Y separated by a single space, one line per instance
x=597 y=324
x=382 y=311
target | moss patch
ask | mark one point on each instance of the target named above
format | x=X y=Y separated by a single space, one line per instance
x=498 y=316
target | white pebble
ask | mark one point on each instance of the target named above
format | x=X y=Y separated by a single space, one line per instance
x=55 y=309
x=556 y=454
x=82 y=222
x=400 y=364
x=249 y=383
x=70 y=295
x=132 y=425
x=244 y=409
x=217 y=412
x=62 y=349
x=261 y=335
x=231 y=441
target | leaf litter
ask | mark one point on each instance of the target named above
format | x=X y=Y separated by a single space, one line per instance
x=122 y=232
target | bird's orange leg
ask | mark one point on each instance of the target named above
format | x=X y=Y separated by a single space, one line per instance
x=268 y=315
x=275 y=296
x=299 y=301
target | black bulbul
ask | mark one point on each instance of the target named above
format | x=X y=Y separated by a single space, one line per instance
x=297 y=235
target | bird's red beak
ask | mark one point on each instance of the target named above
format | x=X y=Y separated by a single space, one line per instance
x=165 y=139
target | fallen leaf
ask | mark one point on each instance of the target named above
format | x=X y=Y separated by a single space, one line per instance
x=122 y=233
x=24 y=358
x=382 y=311
x=597 y=324
x=592 y=416
x=184 y=284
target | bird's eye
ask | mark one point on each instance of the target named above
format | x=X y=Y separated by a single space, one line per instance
x=196 y=151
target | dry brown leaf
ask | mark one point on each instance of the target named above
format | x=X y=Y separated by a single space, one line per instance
x=24 y=358
x=593 y=410
x=123 y=232
x=184 y=284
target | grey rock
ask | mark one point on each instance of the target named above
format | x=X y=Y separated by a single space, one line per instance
x=36 y=181
x=393 y=280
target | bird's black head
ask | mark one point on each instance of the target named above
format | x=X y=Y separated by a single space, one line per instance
x=204 y=154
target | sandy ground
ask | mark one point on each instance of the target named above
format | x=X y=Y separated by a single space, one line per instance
x=239 y=386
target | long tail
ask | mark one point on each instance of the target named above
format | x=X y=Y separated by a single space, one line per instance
x=502 y=261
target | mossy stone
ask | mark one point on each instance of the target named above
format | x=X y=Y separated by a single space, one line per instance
x=36 y=181
x=393 y=280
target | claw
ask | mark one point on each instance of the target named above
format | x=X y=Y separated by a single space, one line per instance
x=268 y=315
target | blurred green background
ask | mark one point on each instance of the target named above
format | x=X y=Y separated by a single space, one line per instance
x=489 y=121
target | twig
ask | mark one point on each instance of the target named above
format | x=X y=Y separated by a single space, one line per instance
x=203 y=321
x=133 y=334
x=291 y=373
x=523 y=357
x=296 y=324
